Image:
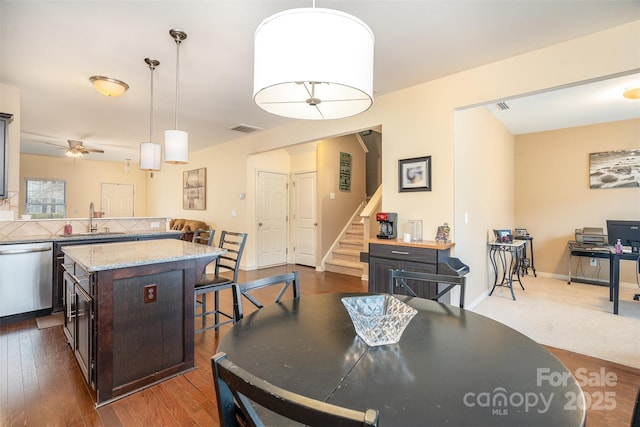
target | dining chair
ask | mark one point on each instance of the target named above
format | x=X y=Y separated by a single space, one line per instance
x=398 y=279
x=237 y=389
x=229 y=263
x=246 y=289
x=203 y=236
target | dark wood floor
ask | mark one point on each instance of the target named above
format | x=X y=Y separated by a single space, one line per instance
x=41 y=384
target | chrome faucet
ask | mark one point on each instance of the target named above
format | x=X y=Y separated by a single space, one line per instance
x=92 y=227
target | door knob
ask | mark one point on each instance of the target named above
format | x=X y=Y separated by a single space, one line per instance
x=315 y=224
x=259 y=224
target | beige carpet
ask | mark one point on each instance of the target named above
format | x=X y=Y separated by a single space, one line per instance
x=576 y=317
x=50 y=321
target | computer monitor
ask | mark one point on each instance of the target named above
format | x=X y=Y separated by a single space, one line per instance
x=627 y=231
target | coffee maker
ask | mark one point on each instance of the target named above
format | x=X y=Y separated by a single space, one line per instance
x=388 y=224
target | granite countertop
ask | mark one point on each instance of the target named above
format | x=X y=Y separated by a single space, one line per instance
x=84 y=236
x=110 y=256
x=428 y=244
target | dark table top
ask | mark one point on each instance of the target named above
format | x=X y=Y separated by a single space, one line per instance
x=451 y=367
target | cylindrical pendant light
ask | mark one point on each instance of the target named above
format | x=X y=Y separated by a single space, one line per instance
x=150 y=152
x=176 y=142
x=313 y=64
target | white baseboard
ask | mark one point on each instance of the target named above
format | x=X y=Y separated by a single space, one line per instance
x=477 y=301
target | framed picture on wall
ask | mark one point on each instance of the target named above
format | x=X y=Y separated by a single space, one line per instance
x=194 y=189
x=614 y=169
x=414 y=174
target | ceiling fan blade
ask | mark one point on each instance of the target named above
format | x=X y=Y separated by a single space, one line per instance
x=55 y=145
x=93 y=150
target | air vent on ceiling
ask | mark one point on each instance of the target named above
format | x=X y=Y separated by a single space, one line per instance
x=245 y=128
x=502 y=106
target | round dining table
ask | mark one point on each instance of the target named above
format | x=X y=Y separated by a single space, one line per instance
x=451 y=367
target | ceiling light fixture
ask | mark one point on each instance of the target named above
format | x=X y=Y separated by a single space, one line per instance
x=150 y=152
x=313 y=64
x=633 y=93
x=108 y=86
x=176 y=142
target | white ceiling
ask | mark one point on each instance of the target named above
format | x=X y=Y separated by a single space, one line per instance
x=49 y=49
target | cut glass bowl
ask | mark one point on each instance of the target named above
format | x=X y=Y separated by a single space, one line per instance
x=379 y=319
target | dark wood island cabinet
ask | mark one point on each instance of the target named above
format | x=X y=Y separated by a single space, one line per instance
x=129 y=314
x=425 y=257
x=90 y=239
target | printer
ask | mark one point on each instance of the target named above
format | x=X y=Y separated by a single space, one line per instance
x=591 y=235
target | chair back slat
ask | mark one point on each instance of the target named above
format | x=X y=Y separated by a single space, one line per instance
x=237 y=389
x=203 y=236
x=399 y=278
x=234 y=244
x=243 y=290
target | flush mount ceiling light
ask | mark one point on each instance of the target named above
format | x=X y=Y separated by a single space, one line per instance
x=313 y=64
x=633 y=93
x=176 y=142
x=150 y=152
x=108 y=86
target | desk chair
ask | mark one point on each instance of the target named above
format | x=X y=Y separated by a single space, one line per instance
x=398 y=278
x=203 y=236
x=236 y=389
x=215 y=282
x=245 y=289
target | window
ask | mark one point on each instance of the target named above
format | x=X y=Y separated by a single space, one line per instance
x=46 y=198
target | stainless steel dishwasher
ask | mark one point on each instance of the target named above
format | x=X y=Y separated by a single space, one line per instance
x=26 y=273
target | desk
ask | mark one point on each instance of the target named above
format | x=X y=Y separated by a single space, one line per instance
x=447 y=360
x=587 y=250
x=498 y=255
x=576 y=249
x=614 y=276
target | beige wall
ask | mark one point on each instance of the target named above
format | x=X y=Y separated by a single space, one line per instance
x=553 y=197
x=416 y=121
x=334 y=212
x=84 y=178
x=484 y=189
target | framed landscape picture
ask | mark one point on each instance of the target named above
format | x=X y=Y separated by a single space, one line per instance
x=615 y=169
x=414 y=174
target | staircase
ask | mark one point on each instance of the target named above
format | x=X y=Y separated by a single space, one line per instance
x=346 y=257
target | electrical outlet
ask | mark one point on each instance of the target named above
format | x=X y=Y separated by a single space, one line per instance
x=155 y=225
x=150 y=293
x=594 y=262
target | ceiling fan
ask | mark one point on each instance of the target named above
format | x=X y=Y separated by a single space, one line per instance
x=77 y=149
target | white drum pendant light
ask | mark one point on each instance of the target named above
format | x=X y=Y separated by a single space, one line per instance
x=150 y=152
x=313 y=64
x=176 y=142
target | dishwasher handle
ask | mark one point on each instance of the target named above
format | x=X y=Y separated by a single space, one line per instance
x=24 y=251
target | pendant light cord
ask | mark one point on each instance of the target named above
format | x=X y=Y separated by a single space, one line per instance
x=178 y=41
x=151 y=106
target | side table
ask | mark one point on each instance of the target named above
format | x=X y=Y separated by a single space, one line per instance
x=498 y=255
x=527 y=263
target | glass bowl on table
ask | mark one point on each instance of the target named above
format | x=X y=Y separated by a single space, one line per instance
x=379 y=319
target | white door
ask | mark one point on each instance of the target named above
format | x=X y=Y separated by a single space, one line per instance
x=305 y=218
x=272 y=218
x=117 y=200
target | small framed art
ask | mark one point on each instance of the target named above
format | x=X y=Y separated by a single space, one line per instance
x=414 y=174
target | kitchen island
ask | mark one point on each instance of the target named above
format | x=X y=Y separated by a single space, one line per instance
x=129 y=311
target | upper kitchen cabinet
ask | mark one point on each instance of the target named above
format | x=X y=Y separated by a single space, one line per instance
x=5 y=119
